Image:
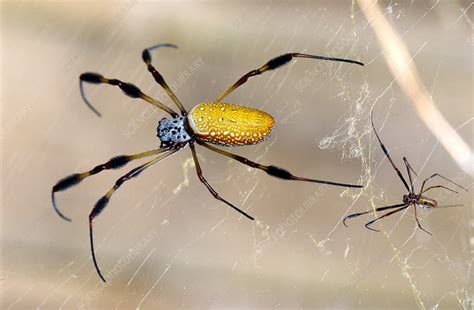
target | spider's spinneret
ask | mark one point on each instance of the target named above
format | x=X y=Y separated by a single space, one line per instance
x=229 y=124
x=171 y=131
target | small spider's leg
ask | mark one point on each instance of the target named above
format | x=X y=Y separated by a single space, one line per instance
x=209 y=187
x=102 y=203
x=273 y=170
x=405 y=160
x=159 y=78
x=449 y=206
x=385 y=215
x=438 y=186
x=129 y=90
x=276 y=63
x=371 y=211
x=418 y=222
x=440 y=176
x=409 y=171
x=384 y=149
x=114 y=163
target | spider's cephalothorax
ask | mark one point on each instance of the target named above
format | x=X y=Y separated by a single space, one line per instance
x=172 y=131
x=410 y=198
x=214 y=122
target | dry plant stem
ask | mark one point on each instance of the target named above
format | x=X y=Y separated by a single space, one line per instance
x=404 y=71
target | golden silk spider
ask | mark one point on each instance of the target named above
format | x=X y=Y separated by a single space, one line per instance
x=409 y=199
x=218 y=123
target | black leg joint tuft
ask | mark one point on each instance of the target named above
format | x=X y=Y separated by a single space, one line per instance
x=90 y=77
x=99 y=206
x=279 y=173
x=146 y=56
x=279 y=61
x=118 y=161
x=67 y=182
x=131 y=90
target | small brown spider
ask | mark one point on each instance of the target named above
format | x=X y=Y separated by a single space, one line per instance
x=410 y=199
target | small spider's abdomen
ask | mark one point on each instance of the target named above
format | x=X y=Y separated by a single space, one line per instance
x=230 y=124
x=427 y=203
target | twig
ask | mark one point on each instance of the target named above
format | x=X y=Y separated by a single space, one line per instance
x=404 y=70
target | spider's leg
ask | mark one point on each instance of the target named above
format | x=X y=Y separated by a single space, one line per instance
x=209 y=187
x=409 y=167
x=129 y=89
x=409 y=171
x=114 y=163
x=371 y=211
x=278 y=62
x=438 y=186
x=449 y=206
x=385 y=215
x=384 y=149
x=159 y=78
x=418 y=222
x=102 y=203
x=440 y=176
x=272 y=170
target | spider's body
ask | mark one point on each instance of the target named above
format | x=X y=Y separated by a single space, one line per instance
x=419 y=199
x=215 y=122
x=229 y=124
x=218 y=123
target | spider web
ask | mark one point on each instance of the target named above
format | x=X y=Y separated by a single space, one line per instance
x=164 y=241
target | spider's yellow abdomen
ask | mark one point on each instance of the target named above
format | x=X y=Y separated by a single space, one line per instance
x=230 y=124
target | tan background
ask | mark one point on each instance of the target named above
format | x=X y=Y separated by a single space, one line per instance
x=192 y=250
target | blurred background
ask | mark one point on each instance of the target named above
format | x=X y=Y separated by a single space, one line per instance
x=163 y=241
